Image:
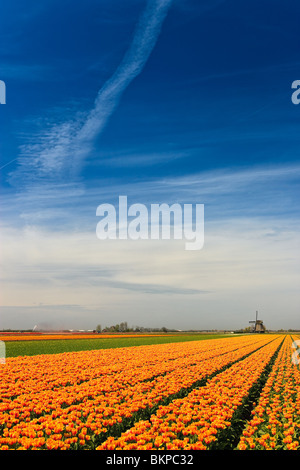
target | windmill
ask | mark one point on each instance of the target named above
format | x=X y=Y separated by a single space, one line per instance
x=258 y=327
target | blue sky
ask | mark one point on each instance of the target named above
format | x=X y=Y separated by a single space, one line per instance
x=164 y=101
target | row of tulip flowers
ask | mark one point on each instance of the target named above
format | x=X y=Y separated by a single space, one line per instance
x=24 y=374
x=73 y=400
x=46 y=336
x=275 y=423
x=193 y=422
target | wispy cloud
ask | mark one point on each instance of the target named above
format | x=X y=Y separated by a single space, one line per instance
x=250 y=261
x=63 y=148
x=259 y=191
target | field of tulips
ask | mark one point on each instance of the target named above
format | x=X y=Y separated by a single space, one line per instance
x=187 y=395
x=275 y=422
x=46 y=336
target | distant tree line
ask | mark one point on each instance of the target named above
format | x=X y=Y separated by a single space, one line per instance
x=124 y=328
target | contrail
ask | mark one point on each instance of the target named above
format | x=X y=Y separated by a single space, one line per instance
x=144 y=40
x=8 y=163
x=66 y=146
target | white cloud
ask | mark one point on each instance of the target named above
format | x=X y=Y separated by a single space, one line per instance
x=62 y=149
x=250 y=258
x=244 y=265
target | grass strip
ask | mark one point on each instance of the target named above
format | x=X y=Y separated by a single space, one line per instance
x=56 y=346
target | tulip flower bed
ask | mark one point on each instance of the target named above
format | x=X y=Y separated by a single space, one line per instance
x=33 y=344
x=275 y=422
x=193 y=422
x=58 y=336
x=161 y=396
